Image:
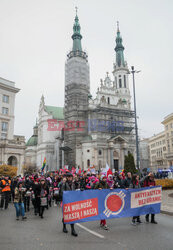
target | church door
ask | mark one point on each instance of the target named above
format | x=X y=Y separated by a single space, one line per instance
x=116 y=167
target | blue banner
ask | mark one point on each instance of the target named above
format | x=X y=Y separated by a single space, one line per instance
x=90 y=205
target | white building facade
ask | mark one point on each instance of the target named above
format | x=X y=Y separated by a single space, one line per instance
x=46 y=139
x=12 y=147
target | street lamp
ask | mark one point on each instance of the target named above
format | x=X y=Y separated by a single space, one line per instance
x=136 y=125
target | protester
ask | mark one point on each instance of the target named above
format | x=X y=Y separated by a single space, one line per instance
x=135 y=184
x=150 y=182
x=40 y=187
x=56 y=188
x=102 y=184
x=118 y=181
x=36 y=200
x=43 y=195
x=127 y=181
x=14 y=183
x=6 y=190
x=68 y=185
x=19 y=195
x=110 y=181
x=28 y=186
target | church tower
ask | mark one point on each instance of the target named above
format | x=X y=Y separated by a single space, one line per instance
x=121 y=71
x=77 y=88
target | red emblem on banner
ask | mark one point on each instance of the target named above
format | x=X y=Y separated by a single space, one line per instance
x=114 y=203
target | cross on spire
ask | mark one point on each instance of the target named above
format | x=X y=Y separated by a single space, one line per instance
x=118 y=26
x=76 y=10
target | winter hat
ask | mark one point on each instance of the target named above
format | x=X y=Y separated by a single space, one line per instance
x=69 y=174
x=102 y=177
x=110 y=176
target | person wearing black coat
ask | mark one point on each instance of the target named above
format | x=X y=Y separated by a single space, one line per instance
x=36 y=189
x=68 y=185
x=28 y=186
x=118 y=181
x=44 y=191
x=14 y=183
x=127 y=181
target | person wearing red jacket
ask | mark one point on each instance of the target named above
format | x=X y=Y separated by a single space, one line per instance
x=150 y=182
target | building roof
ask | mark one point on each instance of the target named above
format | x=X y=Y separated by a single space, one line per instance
x=88 y=138
x=168 y=118
x=157 y=136
x=32 y=141
x=56 y=112
x=8 y=85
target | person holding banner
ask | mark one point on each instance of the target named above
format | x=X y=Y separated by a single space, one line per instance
x=127 y=181
x=102 y=184
x=150 y=182
x=135 y=184
x=68 y=185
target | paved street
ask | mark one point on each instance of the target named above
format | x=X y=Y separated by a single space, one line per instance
x=45 y=234
x=167 y=201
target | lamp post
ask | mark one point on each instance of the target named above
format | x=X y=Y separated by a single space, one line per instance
x=136 y=125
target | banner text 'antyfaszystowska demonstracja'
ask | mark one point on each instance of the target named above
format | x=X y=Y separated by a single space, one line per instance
x=90 y=205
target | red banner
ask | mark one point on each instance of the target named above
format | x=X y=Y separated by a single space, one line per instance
x=80 y=210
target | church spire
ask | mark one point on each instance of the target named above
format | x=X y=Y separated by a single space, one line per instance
x=76 y=35
x=119 y=49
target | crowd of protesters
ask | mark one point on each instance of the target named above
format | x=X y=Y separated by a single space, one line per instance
x=41 y=190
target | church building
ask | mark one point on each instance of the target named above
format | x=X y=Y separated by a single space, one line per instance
x=106 y=122
x=96 y=130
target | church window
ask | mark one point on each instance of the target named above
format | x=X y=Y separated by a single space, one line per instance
x=100 y=152
x=6 y=98
x=100 y=165
x=3 y=135
x=4 y=111
x=4 y=126
x=120 y=83
x=124 y=81
x=108 y=100
x=88 y=150
x=88 y=163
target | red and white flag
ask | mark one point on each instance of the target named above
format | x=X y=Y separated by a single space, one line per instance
x=106 y=171
x=73 y=171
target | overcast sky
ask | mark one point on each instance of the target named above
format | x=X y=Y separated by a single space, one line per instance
x=35 y=36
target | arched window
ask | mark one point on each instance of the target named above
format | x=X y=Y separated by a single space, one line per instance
x=124 y=81
x=108 y=100
x=12 y=161
x=100 y=152
x=120 y=83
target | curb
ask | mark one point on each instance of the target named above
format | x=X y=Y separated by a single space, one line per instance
x=166 y=212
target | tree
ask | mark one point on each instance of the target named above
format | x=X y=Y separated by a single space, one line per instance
x=129 y=164
x=8 y=170
x=30 y=169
